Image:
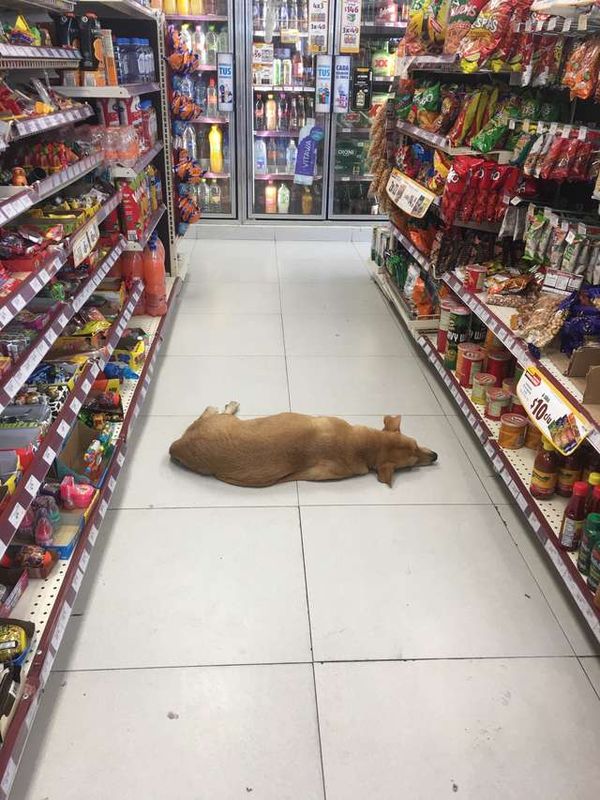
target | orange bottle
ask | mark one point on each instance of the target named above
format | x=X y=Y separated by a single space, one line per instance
x=154 y=279
x=132 y=268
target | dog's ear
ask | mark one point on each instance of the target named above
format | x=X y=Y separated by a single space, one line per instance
x=391 y=423
x=385 y=473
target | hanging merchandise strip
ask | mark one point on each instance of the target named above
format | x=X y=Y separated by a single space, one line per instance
x=50 y=636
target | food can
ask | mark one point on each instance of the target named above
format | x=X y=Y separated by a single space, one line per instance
x=446 y=307
x=458 y=331
x=499 y=365
x=481 y=383
x=516 y=407
x=512 y=431
x=471 y=364
x=492 y=342
x=474 y=278
x=533 y=437
x=497 y=401
x=478 y=330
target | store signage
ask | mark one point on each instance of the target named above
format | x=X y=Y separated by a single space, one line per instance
x=551 y=412
x=318 y=12
x=341 y=85
x=225 y=81
x=323 y=85
x=350 y=26
x=408 y=195
x=361 y=89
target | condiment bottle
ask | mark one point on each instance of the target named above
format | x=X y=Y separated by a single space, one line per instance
x=594 y=573
x=593 y=501
x=592 y=463
x=589 y=535
x=593 y=481
x=545 y=472
x=574 y=517
x=569 y=473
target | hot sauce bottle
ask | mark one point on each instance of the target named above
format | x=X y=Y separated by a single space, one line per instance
x=574 y=518
x=569 y=473
x=545 y=472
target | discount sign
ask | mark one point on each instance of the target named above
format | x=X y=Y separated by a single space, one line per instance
x=551 y=412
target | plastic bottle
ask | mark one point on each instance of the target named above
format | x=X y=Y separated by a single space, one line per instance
x=122 y=59
x=150 y=56
x=223 y=40
x=271 y=156
x=293 y=114
x=271 y=113
x=290 y=157
x=589 y=536
x=259 y=113
x=185 y=36
x=569 y=473
x=214 y=197
x=215 y=141
x=154 y=278
x=170 y=6
x=197 y=7
x=260 y=157
x=545 y=472
x=282 y=113
x=574 y=517
x=593 y=481
x=270 y=198
x=212 y=46
x=293 y=15
x=211 y=99
x=307 y=201
x=189 y=142
x=283 y=199
x=286 y=71
x=593 y=580
x=183 y=8
x=132 y=268
x=284 y=19
x=277 y=71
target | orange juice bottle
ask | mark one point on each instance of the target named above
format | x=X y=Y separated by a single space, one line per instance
x=154 y=279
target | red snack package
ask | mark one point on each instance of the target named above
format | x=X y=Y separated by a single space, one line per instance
x=462 y=15
x=507 y=192
x=485 y=187
x=456 y=185
x=467 y=204
x=574 y=63
x=578 y=169
x=545 y=167
x=586 y=76
x=561 y=168
x=492 y=27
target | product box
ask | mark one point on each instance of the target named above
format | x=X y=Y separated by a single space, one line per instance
x=349 y=157
x=70 y=460
x=110 y=64
x=16 y=580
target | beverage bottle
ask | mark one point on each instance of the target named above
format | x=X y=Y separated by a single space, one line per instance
x=270 y=198
x=197 y=7
x=283 y=16
x=183 y=8
x=151 y=64
x=132 y=268
x=277 y=75
x=282 y=114
x=574 y=518
x=271 y=113
x=211 y=98
x=170 y=6
x=545 y=472
x=215 y=140
x=290 y=157
x=203 y=195
x=212 y=46
x=308 y=70
x=281 y=155
x=301 y=112
x=271 y=156
x=591 y=459
x=303 y=15
x=293 y=114
x=185 y=36
x=569 y=473
x=297 y=69
x=223 y=40
x=215 y=197
x=307 y=201
x=589 y=538
x=260 y=157
x=190 y=144
x=142 y=55
x=122 y=59
x=593 y=481
x=198 y=44
x=256 y=16
x=259 y=114
x=154 y=278
x=283 y=199
x=263 y=14
x=186 y=87
x=310 y=108
x=286 y=72
x=293 y=15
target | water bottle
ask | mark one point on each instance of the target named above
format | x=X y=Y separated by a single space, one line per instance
x=151 y=65
x=122 y=59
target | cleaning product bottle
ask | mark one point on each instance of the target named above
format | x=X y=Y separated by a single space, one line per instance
x=283 y=199
x=154 y=279
x=215 y=141
x=271 y=198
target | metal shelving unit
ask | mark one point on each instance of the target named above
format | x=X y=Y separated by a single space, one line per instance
x=97 y=92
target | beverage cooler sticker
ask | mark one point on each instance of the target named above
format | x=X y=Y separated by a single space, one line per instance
x=318 y=12
x=361 y=89
x=323 y=85
x=225 y=81
x=350 y=27
x=341 y=85
x=310 y=137
x=551 y=412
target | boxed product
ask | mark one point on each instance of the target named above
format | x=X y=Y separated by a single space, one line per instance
x=13 y=582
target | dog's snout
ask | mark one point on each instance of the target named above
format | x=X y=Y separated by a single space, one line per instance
x=434 y=457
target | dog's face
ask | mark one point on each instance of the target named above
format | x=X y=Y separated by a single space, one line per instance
x=401 y=452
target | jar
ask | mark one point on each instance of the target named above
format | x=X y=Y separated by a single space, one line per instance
x=533 y=437
x=497 y=401
x=512 y=431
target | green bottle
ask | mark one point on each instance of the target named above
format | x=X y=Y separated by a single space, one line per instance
x=589 y=538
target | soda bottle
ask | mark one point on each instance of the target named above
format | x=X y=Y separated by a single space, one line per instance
x=283 y=16
x=154 y=279
x=574 y=518
x=271 y=113
x=211 y=98
x=293 y=116
x=282 y=114
x=271 y=156
x=290 y=157
x=132 y=268
x=259 y=114
x=215 y=141
x=297 y=69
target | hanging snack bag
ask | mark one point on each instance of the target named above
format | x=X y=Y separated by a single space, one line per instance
x=469 y=198
x=465 y=118
x=460 y=18
x=416 y=29
x=456 y=185
x=449 y=110
x=492 y=26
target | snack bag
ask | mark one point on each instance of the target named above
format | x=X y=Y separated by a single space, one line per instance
x=460 y=18
x=465 y=118
x=456 y=185
x=492 y=26
x=574 y=63
x=469 y=198
x=414 y=39
x=449 y=110
x=490 y=136
x=586 y=77
x=558 y=147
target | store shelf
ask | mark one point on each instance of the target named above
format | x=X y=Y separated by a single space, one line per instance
x=14 y=205
x=60 y=590
x=384 y=28
x=21 y=128
x=277 y=33
x=442 y=143
x=224 y=176
x=40 y=5
x=16 y=56
x=154 y=220
x=91 y=92
x=130 y=173
x=514 y=467
x=422 y=260
x=395 y=297
x=280 y=176
x=196 y=18
x=353 y=178
x=120 y=8
x=209 y=121
x=289 y=89
x=291 y=134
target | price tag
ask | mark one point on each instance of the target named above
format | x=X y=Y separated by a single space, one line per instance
x=551 y=412
x=120 y=459
x=112 y=483
x=61 y=624
x=86 y=386
x=408 y=195
x=582 y=134
x=16 y=516
x=551 y=24
x=93 y=535
x=77 y=579
x=566 y=131
x=75 y=405
x=63 y=429
x=35 y=284
x=19 y=302
x=84 y=560
x=45 y=671
x=5 y=316
x=9 y=776
x=49 y=455
x=553 y=127
x=32 y=485
x=103 y=508
x=567 y=24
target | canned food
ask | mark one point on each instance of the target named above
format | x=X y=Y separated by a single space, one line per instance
x=478 y=330
x=471 y=364
x=475 y=277
x=458 y=332
x=481 y=383
x=512 y=431
x=446 y=307
x=497 y=401
x=498 y=365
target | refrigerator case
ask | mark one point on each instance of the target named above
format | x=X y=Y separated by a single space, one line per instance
x=369 y=40
x=283 y=39
x=209 y=137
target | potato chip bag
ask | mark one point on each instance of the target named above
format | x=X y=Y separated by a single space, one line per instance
x=492 y=26
x=464 y=119
x=415 y=37
x=461 y=16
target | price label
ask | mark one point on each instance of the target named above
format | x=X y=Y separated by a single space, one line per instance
x=61 y=624
x=408 y=195
x=77 y=578
x=551 y=412
x=5 y=316
x=32 y=485
x=85 y=242
x=49 y=455
x=93 y=535
x=19 y=302
x=83 y=561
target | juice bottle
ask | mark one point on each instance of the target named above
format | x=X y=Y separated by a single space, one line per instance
x=574 y=518
x=215 y=141
x=271 y=113
x=271 y=198
x=170 y=6
x=591 y=461
x=154 y=278
x=183 y=8
x=545 y=472
x=196 y=7
x=132 y=268
x=569 y=473
x=283 y=199
x=307 y=201
x=590 y=535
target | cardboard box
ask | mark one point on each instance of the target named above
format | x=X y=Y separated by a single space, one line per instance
x=70 y=459
x=16 y=579
x=585 y=363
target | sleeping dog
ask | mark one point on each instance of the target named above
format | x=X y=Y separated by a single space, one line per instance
x=293 y=447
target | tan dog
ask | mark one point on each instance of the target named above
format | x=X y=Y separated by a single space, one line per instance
x=293 y=447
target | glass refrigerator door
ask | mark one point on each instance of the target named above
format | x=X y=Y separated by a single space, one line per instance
x=208 y=138
x=372 y=72
x=281 y=112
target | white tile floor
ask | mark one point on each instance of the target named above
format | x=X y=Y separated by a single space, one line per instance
x=340 y=641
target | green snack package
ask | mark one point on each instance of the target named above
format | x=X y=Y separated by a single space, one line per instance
x=489 y=137
x=530 y=107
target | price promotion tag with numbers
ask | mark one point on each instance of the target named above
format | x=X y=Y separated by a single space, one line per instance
x=551 y=412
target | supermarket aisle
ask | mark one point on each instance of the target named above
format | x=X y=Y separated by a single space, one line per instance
x=341 y=640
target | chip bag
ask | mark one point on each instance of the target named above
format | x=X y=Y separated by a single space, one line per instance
x=415 y=39
x=460 y=18
x=465 y=118
x=492 y=26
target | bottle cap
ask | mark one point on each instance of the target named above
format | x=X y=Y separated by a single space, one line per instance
x=594 y=479
x=547 y=445
x=593 y=522
x=580 y=488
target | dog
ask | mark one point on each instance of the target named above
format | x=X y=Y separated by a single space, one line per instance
x=293 y=447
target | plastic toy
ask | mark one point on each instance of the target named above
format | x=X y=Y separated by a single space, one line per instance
x=92 y=458
x=75 y=495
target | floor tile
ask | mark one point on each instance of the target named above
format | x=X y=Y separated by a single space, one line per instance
x=230 y=298
x=334 y=270
x=442 y=395
x=414 y=582
x=188 y=385
x=218 y=733
x=451 y=480
x=591 y=665
x=225 y=335
x=363 y=249
x=478 y=729
x=343 y=335
x=347 y=297
x=204 y=585
x=571 y=620
x=151 y=480
x=233 y=261
x=359 y=385
x=321 y=251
